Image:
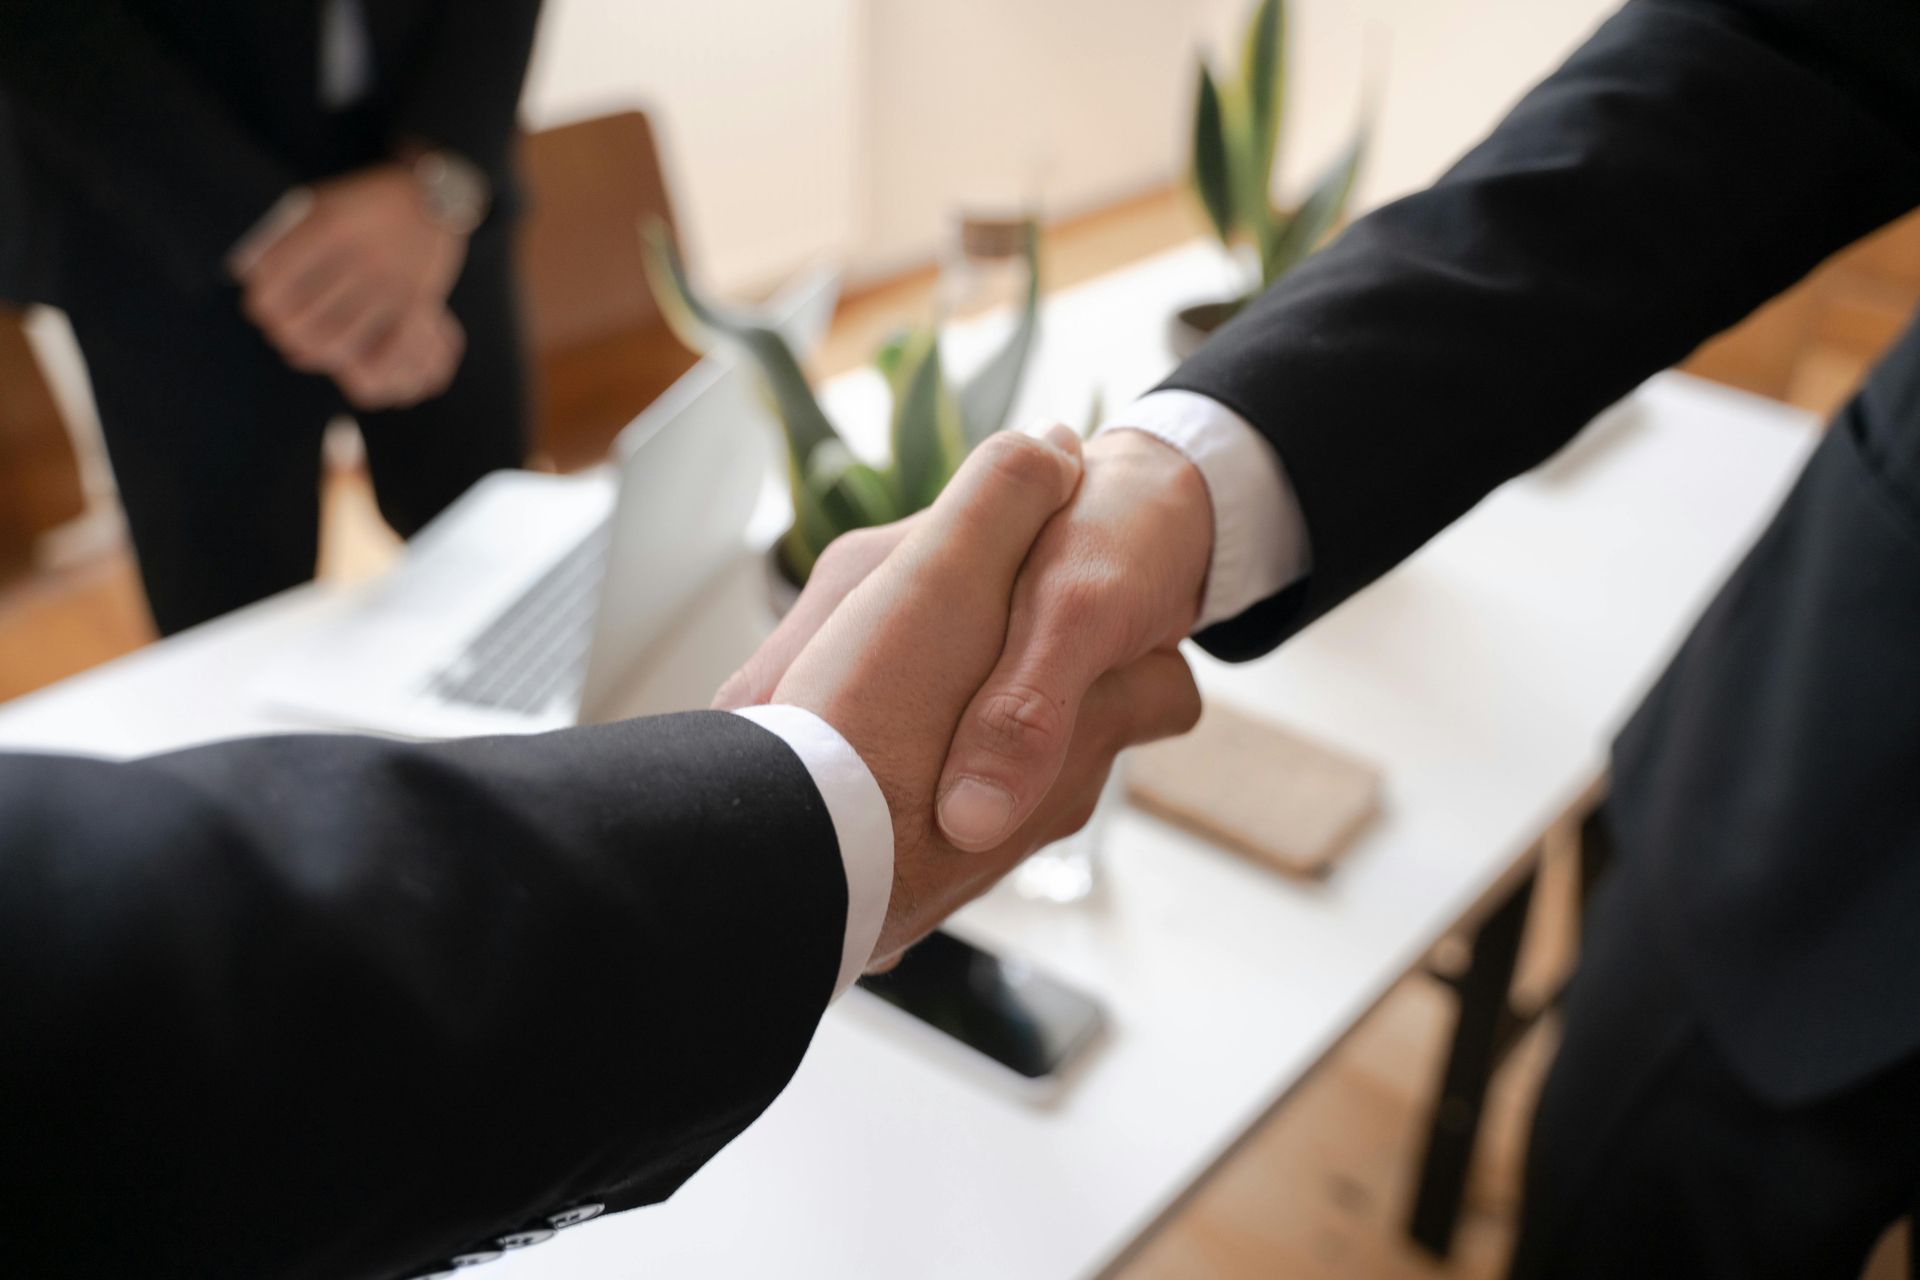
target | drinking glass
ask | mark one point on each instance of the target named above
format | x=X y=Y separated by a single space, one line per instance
x=1068 y=871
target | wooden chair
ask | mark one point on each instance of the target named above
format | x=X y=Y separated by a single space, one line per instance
x=1813 y=345
x=39 y=474
x=601 y=349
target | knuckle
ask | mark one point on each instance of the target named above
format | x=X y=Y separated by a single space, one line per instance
x=846 y=547
x=1191 y=708
x=1169 y=709
x=1082 y=601
x=1021 y=462
x=1019 y=724
x=834 y=562
x=853 y=554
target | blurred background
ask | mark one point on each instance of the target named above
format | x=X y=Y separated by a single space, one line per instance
x=778 y=134
x=853 y=129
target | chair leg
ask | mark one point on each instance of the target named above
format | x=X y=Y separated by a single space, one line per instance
x=1596 y=855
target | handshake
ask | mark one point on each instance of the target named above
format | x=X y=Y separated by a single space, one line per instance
x=989 y=657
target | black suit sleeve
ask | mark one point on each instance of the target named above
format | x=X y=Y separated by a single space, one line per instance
x=135 y=129
x=462 y=89
x=333 y=1007
x=1692 y=160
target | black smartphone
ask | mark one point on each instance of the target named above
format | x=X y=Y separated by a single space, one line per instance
x=1029 y=1025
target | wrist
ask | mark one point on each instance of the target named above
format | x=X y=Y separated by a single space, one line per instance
x=454 y=193
x=1174 y=501
x=288 y=212
x=862 y=825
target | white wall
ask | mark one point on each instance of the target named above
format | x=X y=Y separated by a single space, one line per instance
x=755 y=103
x=1449 y=69
x=1096 y=95
x=1076 y=102
x=795 y=127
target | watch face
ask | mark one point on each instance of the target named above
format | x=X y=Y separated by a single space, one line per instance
x=456 y=191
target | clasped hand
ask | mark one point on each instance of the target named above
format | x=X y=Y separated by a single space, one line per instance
x=357 y=289
x=989 y=657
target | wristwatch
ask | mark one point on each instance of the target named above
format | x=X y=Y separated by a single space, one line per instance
x=456 y=193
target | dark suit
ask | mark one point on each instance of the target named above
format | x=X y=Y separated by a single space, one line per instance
x=1693 y=159
x=333 y=1007
x=140 y=140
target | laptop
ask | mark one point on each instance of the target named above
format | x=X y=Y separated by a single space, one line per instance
x=532 y=601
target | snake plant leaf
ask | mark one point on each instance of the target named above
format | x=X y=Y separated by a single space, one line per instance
x=1321 y=211
x=928 y=439
x=887 y=358
x=702 y=325
x=1213 y=170
x=987 y=399
x=812 y=527
x=868 y=496
x=851 y=494
x=1096 y=414
x=1262 y=91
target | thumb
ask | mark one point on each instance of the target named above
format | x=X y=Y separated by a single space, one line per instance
x=1014 y=737
x=945 y=591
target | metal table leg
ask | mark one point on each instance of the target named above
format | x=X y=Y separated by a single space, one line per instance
x=1480 y=1039
x=1488 y=1027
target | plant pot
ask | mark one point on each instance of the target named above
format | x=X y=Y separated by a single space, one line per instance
x=783 y=584
x=1190 y=327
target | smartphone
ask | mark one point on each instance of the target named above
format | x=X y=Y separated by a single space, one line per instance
x=1023 y=1027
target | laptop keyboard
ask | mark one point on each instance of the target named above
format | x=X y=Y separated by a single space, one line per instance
x=535 y=652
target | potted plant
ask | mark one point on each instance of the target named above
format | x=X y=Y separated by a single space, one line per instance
x=934 y=423
x=1237 y=124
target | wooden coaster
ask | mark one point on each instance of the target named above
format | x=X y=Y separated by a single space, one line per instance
x=1258 y=789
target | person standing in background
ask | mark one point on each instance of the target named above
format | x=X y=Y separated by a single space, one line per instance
x=258 y=217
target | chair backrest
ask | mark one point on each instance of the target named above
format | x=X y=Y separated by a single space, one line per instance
x=602 y=350
x=39 y=474
x=1814 y=344
x=592 y=184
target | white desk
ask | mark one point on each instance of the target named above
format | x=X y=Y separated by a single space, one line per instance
x=1486 y=675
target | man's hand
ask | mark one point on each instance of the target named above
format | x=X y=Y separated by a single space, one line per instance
x=895 y=665
x=413 y=362
x=357 y=288
x=1115 y=576
x=843 y=566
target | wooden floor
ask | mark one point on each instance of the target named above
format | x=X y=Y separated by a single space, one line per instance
x=1322 y=1190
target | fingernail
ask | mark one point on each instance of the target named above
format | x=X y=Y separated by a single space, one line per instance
x=1063 y=438
x=974 y=812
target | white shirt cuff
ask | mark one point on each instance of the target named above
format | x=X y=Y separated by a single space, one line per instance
x=288 y=212
x=861 y=823
x=1259 y=535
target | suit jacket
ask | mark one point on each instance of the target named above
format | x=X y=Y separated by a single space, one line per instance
x=1692 y=160
x=179 y=123
x=337 y=1007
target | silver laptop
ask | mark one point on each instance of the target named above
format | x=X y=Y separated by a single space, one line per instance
x=532 y=601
